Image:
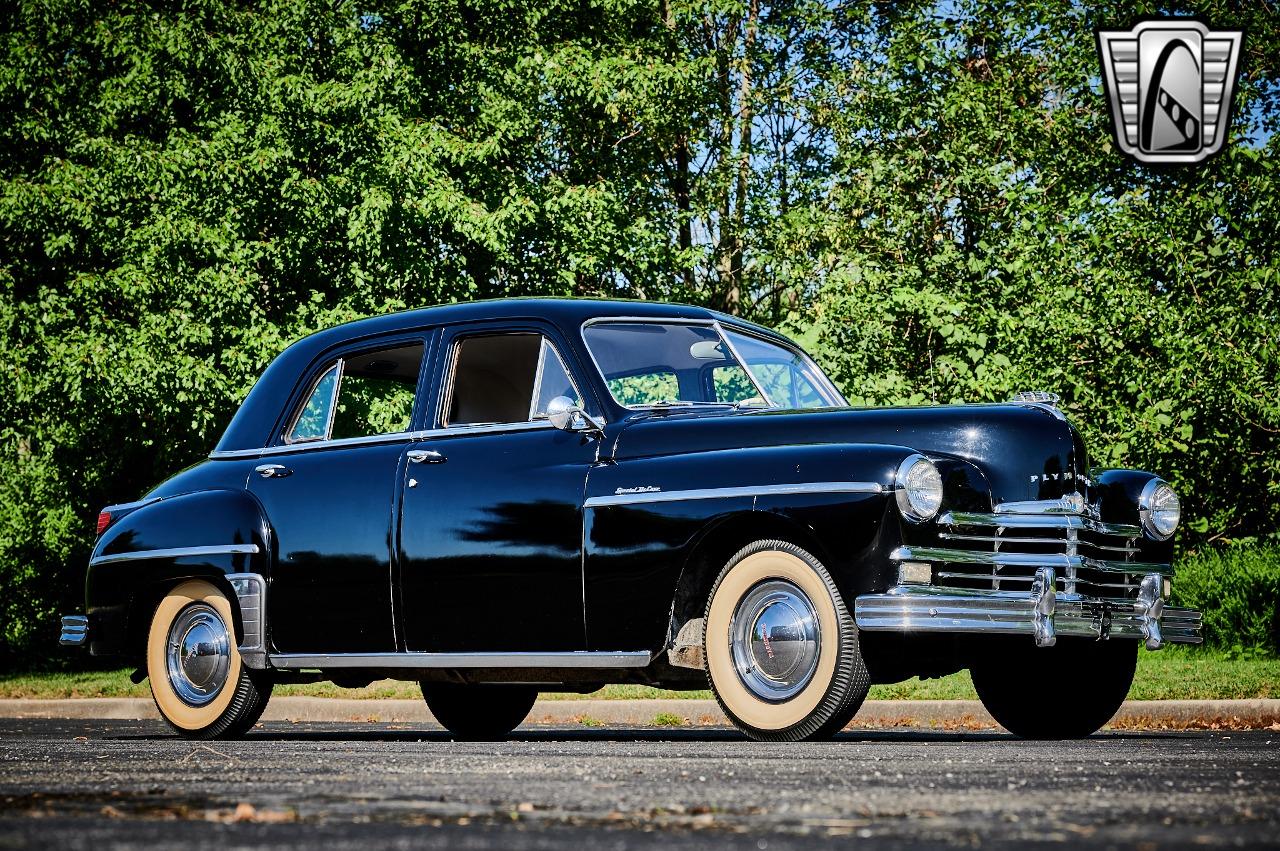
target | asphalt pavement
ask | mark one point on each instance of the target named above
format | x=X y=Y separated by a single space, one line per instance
x=112 y=784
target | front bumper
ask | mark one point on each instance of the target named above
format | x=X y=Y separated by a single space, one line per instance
x=1043 y=613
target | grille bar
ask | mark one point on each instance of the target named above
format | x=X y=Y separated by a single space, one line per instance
x=1038 y=521
x=1055 y=560
x=1008 y=539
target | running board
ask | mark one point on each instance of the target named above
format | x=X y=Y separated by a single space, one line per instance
x=570 y=659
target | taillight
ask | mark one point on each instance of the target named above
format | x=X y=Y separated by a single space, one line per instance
x=104 y=520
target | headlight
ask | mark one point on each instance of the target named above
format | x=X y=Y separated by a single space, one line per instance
x=919 y=488
x=1160 y=509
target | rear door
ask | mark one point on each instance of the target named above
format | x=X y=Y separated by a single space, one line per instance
x=329 y=491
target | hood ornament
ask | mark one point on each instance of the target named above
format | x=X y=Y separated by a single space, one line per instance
x=1036 y=397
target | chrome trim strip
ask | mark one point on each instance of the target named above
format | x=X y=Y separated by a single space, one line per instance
x=725 y=493
x=130 y=506
x=412 y=659
x=485 y=428
x=177 y=552
x=251 y=594
x=75 y=630
x=938 y=554
x=1038 y=521
x=408 y=436
x=918 y=609
x=314 y=445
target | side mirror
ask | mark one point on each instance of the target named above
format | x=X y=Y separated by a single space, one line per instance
x=567 y=415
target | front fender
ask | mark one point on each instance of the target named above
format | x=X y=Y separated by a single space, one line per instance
x=1116 y=494
x=201 y=535
x=644 y=520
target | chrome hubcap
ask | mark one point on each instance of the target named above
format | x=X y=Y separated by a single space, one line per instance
x=199 y=654
x=775 y=640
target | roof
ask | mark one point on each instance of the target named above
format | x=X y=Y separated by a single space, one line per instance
x=254 y=423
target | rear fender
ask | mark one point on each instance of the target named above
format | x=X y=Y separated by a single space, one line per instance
x=202 y=535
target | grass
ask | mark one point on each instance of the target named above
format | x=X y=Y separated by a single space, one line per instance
x=1172 y=673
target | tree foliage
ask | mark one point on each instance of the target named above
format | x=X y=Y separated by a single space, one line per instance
x=925 y=194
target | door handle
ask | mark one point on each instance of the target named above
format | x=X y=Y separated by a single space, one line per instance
x=272 y=471
x=425 y=456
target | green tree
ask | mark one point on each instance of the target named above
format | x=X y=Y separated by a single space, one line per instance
x=925 y=193
x=984 y=237
x=184 y=190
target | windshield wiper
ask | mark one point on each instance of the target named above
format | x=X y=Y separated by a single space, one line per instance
x=685 y=403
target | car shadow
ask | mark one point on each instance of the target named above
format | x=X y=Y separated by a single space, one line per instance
x=391 y=732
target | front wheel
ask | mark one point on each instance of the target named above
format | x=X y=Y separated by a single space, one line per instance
x=479 y=713
x=199 y=684
x=1067 y=691
x=782 y=650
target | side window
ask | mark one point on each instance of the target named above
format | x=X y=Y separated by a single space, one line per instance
x=505 y=378
x=553 y=381
x=313 y=420
x=789 y=378
x=365 y=395
x=376 y=393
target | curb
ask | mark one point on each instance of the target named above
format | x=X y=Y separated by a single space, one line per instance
x=928 y=714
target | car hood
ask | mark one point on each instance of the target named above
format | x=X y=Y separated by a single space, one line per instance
x=1025 y=452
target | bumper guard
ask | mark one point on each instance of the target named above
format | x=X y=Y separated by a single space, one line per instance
x=75 y=630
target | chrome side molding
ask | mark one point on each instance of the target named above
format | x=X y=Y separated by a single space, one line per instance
x=75 y=630
x=177 y=552
x=414 y=659
x=251 y=594
x=375 y=439
x=642 y=496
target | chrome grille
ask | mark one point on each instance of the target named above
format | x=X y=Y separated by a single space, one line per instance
x=1000 y=551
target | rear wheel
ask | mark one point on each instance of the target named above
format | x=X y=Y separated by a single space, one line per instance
x=1067 y=691
x=782 y=650
x=198 y=682
x=481 y=713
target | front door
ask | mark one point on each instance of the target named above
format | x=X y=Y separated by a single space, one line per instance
x=491 y=524
x=329 y=494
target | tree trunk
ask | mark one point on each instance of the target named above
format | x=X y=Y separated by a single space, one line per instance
x=736 y=222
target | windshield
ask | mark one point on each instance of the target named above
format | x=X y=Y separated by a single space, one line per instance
x=653 y=364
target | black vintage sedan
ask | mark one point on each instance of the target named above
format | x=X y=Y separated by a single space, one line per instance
x=501 y=498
